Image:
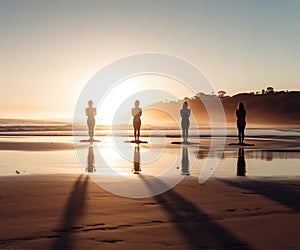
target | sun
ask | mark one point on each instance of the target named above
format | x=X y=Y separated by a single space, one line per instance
x=117 y=103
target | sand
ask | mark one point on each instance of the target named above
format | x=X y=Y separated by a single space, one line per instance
x=69 y=211
x=35 y=146
x=203 y=143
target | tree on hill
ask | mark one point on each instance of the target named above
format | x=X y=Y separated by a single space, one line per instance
x=270 y=90
x=221 y=93
x=186 y=99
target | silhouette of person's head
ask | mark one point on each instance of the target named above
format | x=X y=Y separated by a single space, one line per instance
x=137 y=103
x=185 y=105
x=241 y=106
x=90 y=103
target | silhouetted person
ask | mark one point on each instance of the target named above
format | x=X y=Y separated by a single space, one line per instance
x=91 y=160
x=185 y=164
x=241 y=121
x=241 y=164
x=90 y=113
x=136 y=160
x=185 y=113
x=136 y=113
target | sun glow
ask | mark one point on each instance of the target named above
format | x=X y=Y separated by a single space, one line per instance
x=117 y=103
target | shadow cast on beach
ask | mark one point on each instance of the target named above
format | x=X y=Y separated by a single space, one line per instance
x=285 y=194
x=73 y=211
x=198 y=229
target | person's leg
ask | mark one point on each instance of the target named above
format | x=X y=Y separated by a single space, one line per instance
x=91 y=133
x=187 y=132
x=138 y=127
x=243 y=134
x=90 y=128
x=239 y=135
x=134 y=128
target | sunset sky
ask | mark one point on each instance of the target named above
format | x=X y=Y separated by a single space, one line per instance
x=50 y=49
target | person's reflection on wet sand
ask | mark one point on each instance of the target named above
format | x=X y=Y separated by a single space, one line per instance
x=136 y=160
x=185 y=164
x=241 y=163
x=90 y=160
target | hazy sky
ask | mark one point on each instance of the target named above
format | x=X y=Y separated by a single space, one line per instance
x=49 y=49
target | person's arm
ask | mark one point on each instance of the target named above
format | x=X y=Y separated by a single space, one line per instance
x=189 y=113
x=87 y=112
x=181 y=113
x=95 y=111
x=140 y=113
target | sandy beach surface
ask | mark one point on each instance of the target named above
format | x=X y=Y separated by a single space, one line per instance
x=69 y=211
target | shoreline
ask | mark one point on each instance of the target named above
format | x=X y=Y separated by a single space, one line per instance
x=266 y=144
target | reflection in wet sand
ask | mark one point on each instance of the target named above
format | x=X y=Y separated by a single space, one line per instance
x=269 y=155
x=136 y=160
x=90 y=160
x=241 y=163
x=185 y=161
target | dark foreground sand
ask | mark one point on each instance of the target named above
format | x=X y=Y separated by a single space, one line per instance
x=71 y=212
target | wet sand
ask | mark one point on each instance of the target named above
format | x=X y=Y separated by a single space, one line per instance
x=69 y=211
x=202 y=143
x=35 y=146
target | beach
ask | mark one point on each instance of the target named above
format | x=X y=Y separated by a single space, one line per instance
x=57 y=205
x=71 y=212
x=141 y=125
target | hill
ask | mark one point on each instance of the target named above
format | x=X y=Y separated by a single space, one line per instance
x=280 y=108
x=272 y=109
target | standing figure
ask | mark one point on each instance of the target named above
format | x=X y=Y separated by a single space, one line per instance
x=185 y=113
x=136 y=113
x=90 y=113
x=241 y=121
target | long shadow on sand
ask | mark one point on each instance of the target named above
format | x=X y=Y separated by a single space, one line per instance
x=199 y=230
x=286 y=194
x=72 y=213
